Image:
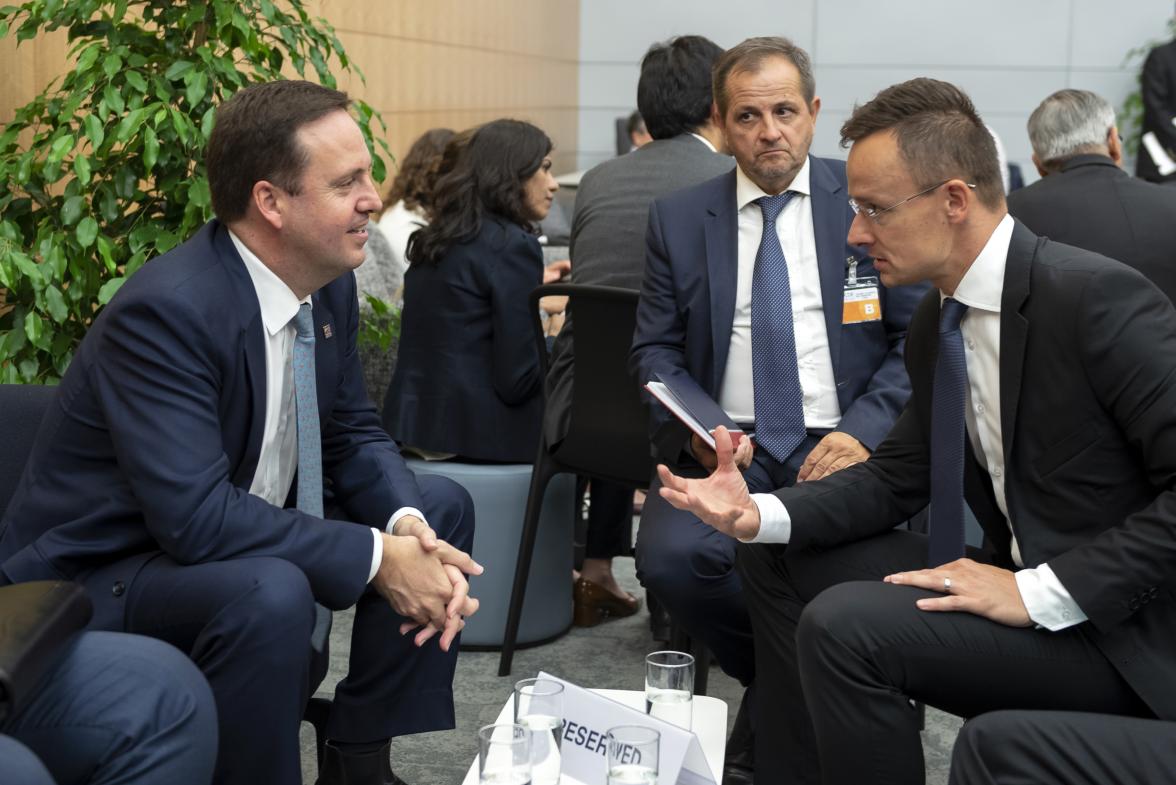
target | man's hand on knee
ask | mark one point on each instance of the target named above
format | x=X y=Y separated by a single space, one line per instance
x=455 y=565
x=970 y=587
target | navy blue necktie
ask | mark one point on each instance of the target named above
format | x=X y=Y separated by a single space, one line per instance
x=946 y=542
x=779 y=399
x=310 y=445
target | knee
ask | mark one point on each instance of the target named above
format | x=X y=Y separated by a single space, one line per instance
x=277 y=603
x=833 y=621
x=21 y=766
x=450 y=510
x=685 y=560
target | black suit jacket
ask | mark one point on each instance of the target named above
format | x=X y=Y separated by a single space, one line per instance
x=1157 y=85
x=1093 y=204
x=1088 y=422
x=467 y=372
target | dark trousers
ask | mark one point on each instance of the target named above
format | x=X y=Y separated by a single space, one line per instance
x=842 y=655
x=1063 y=748
x=610 y=520
x=113 y=708
x=246 y=623
x=690 y=566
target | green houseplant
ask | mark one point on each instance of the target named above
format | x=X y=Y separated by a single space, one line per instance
x=104 y=169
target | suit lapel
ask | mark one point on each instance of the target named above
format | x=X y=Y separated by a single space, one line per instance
x=830 y=232
x=722 y=266
x=252 y=337
x=1014 y=331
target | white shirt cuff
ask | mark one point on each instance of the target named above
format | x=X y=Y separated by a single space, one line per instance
x=775 y=522
x=396 y=516
x=1046 y=599
x=377 y=554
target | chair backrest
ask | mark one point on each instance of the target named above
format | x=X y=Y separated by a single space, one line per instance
x=22 y=407
x=608 y=435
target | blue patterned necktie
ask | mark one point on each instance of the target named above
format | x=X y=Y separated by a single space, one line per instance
x=310 y=457
x=779 y=400
x=946 y=542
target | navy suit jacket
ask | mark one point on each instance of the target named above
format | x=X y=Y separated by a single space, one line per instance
x=687 y=306
x=153 y=440
x=467 y=372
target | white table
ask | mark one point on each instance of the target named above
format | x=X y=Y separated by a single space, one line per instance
x=709 y=725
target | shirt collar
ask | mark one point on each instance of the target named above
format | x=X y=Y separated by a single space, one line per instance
x=705 y=141
x=747 y=192
x=983 y=283
x=278 y=303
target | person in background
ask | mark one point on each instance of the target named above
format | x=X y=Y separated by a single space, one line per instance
x=411 y=194
x=1084 y=199
x=1157 y=144
x=639 y=135
x=608 y=249
x=467 y=382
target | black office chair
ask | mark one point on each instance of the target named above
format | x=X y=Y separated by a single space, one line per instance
x=607 y=438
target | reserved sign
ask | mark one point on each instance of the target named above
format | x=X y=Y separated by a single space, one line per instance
x=584 y=747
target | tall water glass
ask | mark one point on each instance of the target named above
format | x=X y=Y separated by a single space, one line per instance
x=504 y=755
x=632 y=755
x=669 y=687
x=538 y=706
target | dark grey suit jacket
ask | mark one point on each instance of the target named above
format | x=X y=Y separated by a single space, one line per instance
x=608 y=236
x=1157 y=83
x=1088 y=424
x=1093 y=204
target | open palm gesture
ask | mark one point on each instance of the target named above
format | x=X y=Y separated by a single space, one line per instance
x=721 y=499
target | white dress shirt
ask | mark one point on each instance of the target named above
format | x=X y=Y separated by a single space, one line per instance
x=1045 y=598
x=278 y=459
x=794 y=227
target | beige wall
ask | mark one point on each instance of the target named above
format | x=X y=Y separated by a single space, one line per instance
x=428 y=63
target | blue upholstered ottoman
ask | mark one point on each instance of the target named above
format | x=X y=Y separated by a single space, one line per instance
x=500 y=499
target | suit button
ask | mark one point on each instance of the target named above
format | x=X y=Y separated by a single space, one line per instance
x=118 y=588
x=1153 y=591
x=1133 y=604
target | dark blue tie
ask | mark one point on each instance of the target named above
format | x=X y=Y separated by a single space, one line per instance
x=779 y=400
x=310 y=445
x=946 y=542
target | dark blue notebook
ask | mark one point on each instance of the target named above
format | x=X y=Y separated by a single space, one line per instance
x=690 y=404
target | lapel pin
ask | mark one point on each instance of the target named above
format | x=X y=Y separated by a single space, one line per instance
x=327 y=332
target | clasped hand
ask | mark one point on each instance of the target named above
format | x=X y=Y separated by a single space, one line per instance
x=423 y=578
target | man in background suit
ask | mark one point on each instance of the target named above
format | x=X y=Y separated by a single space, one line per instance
x=163 y=476
x=1041 y=391
x=1083 y=198
x=608 y=248
x=698 y=321
x=1063 y=748
x=1158 y=88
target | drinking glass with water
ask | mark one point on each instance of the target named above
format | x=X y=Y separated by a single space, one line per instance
x=632 y=755
x=504 y=755
x=669 y=687
x=538 y=706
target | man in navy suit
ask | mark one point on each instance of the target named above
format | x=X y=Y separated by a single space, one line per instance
x=163 y=477
x=699 y=320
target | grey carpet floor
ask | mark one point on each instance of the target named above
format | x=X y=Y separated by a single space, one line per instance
x=609 y=656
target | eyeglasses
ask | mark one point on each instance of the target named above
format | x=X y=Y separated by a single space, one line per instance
x=874 y=213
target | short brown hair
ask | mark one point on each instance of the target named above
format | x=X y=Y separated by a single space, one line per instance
x=750 y=55
x=255 y=139
x=940 y=135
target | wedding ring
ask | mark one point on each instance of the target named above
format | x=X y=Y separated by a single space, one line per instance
x=947 y=585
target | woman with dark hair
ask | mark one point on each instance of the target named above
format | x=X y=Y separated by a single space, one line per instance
x=411 y=193
x=467 y=380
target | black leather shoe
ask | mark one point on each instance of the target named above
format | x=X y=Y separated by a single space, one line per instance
x=739 y=761
x=346 y=767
